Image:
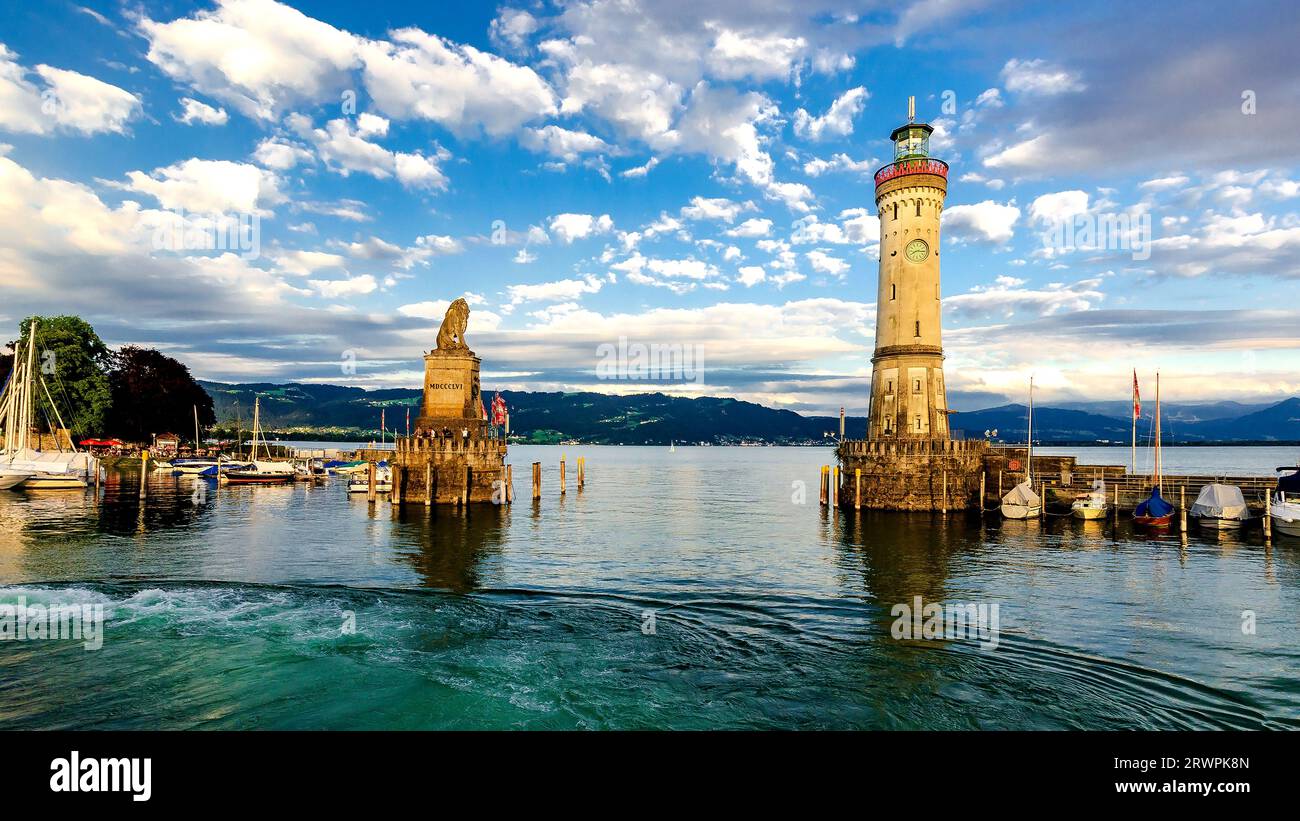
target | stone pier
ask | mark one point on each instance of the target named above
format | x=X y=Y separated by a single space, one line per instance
x=912 y=474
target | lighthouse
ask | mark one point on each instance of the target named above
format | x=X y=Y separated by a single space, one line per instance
x=910 y=460
x=908 y=401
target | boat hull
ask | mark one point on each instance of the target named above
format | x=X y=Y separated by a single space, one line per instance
x=1010 y=511
x=1153 y=521
x=39 y=482
x=13 y=480
x=232 y=478
x=1215 y=523
x=1088 y=513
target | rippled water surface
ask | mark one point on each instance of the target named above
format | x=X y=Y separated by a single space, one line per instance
x=228 y=611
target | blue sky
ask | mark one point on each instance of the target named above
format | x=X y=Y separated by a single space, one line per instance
x=669 y=172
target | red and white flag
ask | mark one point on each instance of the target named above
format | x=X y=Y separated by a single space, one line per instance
x=482 y=409
x=1137 y=397
x=498 y=410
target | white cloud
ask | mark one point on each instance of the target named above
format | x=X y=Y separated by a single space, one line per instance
x=352 y=286
x=838 y=119
x=737 y=55
x=827 y=264
x=839 y=162
x=751 y=275
x=69 y=101
x=1038 y=77
x=280 y=156
x=209 y=186
x=558 y=291
x=423 y=76
x=344 y=149
x=1053 y=208
x=570 y=227
x=717 y=208
x=753 y=227
x=562 y=143
x=987 y=220
x=303 y=263
x=193 y=111
x=512 y=28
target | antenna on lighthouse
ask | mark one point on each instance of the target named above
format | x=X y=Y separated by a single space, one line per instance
x=911 y=109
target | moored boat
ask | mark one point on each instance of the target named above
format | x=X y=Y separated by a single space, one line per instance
x=1022 y=502
x=1220 y=507
x=1154 y=511
x=360 y=482
x=1284 y=507
x=1092 y=506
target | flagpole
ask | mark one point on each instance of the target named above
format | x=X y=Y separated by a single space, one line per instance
x=1134 y=414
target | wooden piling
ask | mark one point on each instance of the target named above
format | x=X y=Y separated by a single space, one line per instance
x=428 y=484
x=510 y=483
x=821 y=486
x=835 y=487
x=537 y=480
x=144 y=473
x=944 y=508
x=857 y=488
x=999 y=486
x=983 y=478
x=1268 y=520
x=464 y=492
x=1182 y=508
x=371 y=493
x=582 y=472
x=395 y=495
x=562 y=480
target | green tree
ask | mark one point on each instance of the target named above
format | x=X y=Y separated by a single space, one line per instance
x=74 y=363
x=153 y=393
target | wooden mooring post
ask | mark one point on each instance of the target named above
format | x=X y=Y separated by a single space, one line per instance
x=537 y=480
x=857 y=488
x=395 y=495
x=945 y=492
x=835 y=487
x=582 y=472
x=464 y=490
x=429 y=479
x=983 y=478
x=144 y=473
x=510 y=483
x=563 y=487
x=1182 y=509
x=1268 y=520
x=371 y=493
x=822 y=482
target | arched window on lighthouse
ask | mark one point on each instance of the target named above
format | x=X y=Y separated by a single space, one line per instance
x=895 y=210
x=893 y=291
x=918 y=208
x=918 y=327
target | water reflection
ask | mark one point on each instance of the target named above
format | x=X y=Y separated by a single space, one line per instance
x=448 y=546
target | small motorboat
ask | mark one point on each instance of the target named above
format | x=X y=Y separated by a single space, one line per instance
x=1284 y=507
x=360 y=482
x=1092 y=506
x=258 y=473
x=1220 y=507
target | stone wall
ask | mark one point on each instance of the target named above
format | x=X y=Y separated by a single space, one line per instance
x=446 y=459
x=911 y=475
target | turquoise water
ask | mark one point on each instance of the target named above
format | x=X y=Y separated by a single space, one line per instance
x=232 y=610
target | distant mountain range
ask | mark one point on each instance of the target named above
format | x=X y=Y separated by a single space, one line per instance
x=334 y=412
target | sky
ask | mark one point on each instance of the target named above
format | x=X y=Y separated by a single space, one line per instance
x=295 y=192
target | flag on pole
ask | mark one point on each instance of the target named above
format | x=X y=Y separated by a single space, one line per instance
x=482 y=409
x=1137 y=397
x=408 y=420
x=498 y=410
x=382 y=427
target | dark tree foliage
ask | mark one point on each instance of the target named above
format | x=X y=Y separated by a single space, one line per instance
x=73 y=361
x=153 y=393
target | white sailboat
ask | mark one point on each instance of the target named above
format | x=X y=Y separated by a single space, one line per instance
x=1022 y=502
x=258 y=471
x=42 y=470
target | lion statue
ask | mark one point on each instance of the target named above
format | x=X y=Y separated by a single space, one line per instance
x=451 y=336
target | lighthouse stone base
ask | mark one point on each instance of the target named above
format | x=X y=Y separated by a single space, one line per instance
x=911 y=474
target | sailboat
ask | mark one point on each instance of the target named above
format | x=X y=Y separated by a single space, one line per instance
x=258 y=471
x=1022 y=502
x=1154 y=511
x=672 y=446
x=1284 y=507
x=39 y=470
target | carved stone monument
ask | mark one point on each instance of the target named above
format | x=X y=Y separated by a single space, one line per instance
x=453 y=456
x=451 y=378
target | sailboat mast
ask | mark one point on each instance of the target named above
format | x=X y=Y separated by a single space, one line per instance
x=1159 y=467
x=1029 y=453
x=257 y=417
x=28 y=396
x=196 y=431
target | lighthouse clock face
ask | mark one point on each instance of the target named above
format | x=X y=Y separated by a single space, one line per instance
x=917 y=250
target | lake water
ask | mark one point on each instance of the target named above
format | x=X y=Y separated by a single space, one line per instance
x=694 y=589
